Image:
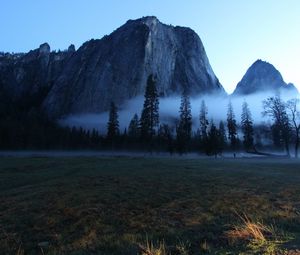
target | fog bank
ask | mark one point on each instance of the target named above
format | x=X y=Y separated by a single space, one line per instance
x=169 y=111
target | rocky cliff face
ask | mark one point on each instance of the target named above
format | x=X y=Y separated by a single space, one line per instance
x=263 y=77
x=114 y=68
x=23 y=76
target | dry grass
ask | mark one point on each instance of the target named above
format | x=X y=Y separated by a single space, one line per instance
x=259 y=237
x=151 y=249
x=250 y=230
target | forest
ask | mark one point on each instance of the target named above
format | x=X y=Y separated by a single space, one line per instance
x=25 y=126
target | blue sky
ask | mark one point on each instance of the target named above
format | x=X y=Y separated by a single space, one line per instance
x=234 y=32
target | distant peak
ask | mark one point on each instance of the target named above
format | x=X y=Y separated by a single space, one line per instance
x=44 y=48
x=263 y=67
x=262 y=76
x=260 y=62
x=148 y=20
x=71 y=48
x=151 y=21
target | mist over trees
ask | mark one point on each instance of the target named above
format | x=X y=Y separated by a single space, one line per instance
x=113 y=122
x=184 y=126
x=203 y=120
x=247 y=128
x=286 y=122
x=113 y=131
x=232 y=127
x=24 y=126
x=294 y=115
x=213 y=141
x=133 y=128
x=150 y=115
x=275 y=108
x=203 y=126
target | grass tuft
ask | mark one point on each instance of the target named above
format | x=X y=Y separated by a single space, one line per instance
x=260 y=238
x=250 y=230
x=151 y=249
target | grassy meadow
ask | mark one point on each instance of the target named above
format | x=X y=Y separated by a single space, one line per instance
x=149 y=206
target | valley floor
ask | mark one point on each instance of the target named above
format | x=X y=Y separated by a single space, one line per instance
x=91 y=204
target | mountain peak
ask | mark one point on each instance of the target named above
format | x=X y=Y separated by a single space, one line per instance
x=148 y=20
x=260 y=62
x=152 y=22
x=264 y=66
x=262 y=77
x=44 y=48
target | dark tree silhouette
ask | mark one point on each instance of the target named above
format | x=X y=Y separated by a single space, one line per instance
x=232 y=127
x=184 y=127
x=292 y=107
x=247 y=128
x=275 y=108
x=214 y=141
x=150 y=114
x=222 y=136
x=203 y=120
x=165 y=138
x=113 y=123
x=133 y=128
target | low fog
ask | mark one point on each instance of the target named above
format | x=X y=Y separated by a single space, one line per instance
x=169 y=111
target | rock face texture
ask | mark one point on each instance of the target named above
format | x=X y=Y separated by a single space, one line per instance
x=114 y=68
x=263 y=77
x=24 y=76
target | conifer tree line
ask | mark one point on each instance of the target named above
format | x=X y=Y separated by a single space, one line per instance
x=145 y=132
x=212 y=138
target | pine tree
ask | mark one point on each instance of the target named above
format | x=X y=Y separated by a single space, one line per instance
x=184 y=127
x=232 y=127
x=213 y=145
x=247 y=128
x=150 y=114
x=222 y=136
x=203 y=120
x=113 y=123
x=95 y=138
x=165 y=138
x=133 y=128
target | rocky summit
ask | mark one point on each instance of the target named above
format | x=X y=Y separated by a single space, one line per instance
x=263 y=77
x=114 y=68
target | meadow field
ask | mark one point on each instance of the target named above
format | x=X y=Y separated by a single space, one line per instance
x=149 y=205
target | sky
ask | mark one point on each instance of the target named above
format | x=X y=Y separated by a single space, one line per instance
x=235 y=33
